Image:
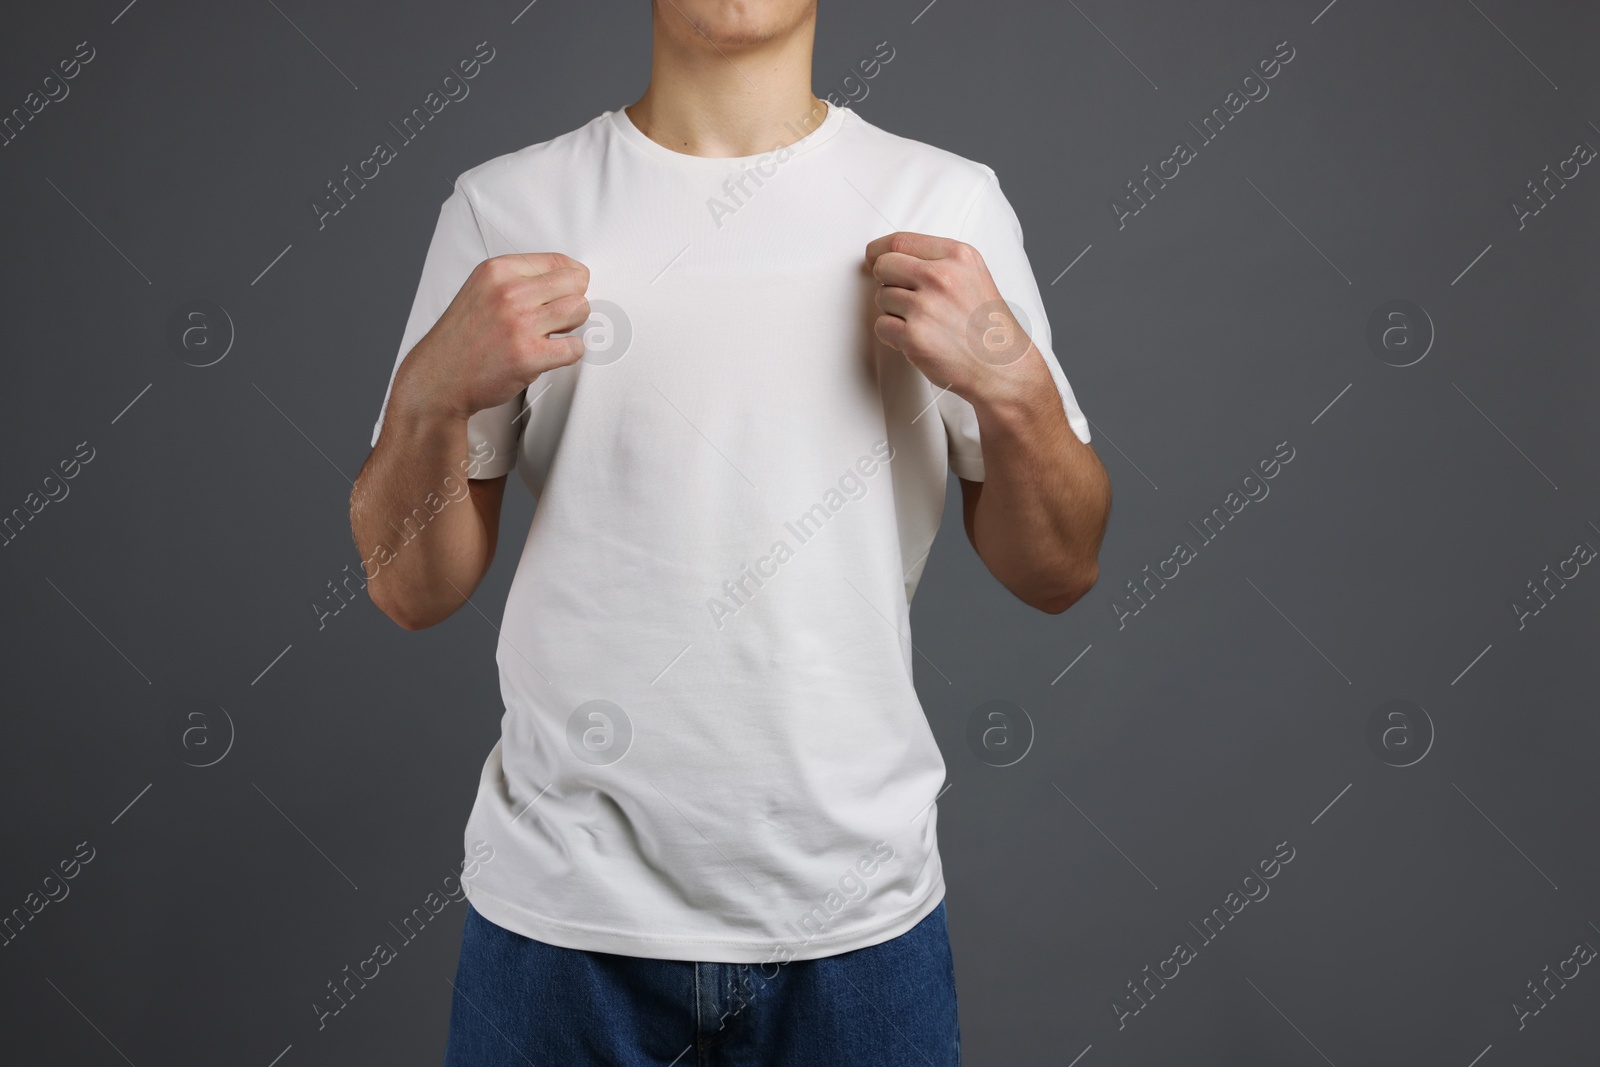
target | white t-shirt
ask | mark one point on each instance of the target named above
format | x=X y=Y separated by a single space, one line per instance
x=712 y=748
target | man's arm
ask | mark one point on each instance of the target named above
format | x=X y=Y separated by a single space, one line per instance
x=490 y=343
x=427 y=578
x=1038 y=517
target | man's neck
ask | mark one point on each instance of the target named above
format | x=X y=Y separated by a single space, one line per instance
x=727 y=98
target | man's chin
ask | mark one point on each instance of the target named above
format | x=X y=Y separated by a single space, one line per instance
x=738 y=25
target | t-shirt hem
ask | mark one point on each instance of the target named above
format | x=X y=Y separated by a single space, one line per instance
x=520 y=920
x=967 y=465
x=494 y=468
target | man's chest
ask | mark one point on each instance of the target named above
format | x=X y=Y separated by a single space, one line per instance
x=777 y=310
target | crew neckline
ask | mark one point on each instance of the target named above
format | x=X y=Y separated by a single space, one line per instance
x=631 y=133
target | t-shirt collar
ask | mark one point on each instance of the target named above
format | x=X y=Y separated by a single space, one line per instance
x=803 y=142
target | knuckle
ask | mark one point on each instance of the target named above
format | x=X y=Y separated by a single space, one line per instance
x=504 y=297
x=481 y=275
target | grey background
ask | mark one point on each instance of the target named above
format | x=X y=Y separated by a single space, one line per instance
x=1230 y=715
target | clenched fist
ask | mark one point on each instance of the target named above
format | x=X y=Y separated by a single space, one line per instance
x=941 y=309
x=495 y=337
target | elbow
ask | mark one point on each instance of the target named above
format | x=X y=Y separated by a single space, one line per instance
x=404 y=615
x=1069 y=594
x=410 y=619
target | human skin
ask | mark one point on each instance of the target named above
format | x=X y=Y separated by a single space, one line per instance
x=1038 y=517
x=728 y=78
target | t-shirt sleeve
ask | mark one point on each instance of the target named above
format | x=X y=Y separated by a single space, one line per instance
x=991 y=226
x=457 y=247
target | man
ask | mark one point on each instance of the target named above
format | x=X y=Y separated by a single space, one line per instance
x=710 y=819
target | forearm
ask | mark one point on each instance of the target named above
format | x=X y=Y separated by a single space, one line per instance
x=1041 y=514
x=417 y=520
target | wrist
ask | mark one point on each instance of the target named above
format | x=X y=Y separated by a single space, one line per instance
x=420 y=392
x=416 y=410
x=1015 y=394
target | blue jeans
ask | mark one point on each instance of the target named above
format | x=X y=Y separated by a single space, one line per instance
x=519 y=1001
